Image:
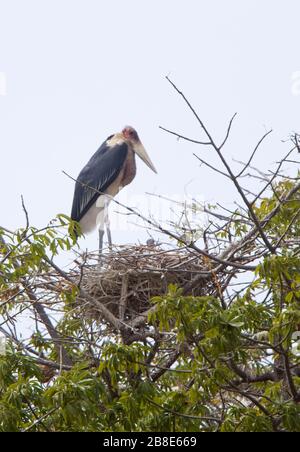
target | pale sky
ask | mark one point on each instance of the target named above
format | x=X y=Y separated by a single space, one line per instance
x=74 y=72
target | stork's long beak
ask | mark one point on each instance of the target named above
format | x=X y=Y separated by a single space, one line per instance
x=142 y=153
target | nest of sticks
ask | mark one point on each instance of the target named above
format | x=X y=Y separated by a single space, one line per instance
x=130 y=276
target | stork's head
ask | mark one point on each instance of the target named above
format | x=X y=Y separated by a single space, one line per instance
x=130 y=134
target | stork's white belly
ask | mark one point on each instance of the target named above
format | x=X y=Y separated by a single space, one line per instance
x=91 y=219
x=95 y=216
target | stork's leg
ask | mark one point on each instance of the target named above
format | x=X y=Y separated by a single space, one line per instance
x=108 y=232
x=100 y=221
x=101 y=237
x=103 y=221
x=107 y=222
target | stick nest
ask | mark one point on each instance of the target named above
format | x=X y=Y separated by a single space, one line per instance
x=129 y=276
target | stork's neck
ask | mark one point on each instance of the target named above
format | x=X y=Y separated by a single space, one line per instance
x=129 y=168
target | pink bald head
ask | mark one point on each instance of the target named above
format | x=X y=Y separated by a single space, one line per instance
x=130 y=133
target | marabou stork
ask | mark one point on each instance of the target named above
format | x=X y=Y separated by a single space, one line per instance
x=110 y=169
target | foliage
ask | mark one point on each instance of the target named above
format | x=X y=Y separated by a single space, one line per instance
x=229 y=372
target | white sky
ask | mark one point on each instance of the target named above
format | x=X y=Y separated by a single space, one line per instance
x=77 y=71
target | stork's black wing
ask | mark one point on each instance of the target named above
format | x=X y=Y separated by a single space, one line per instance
x=97 y=175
